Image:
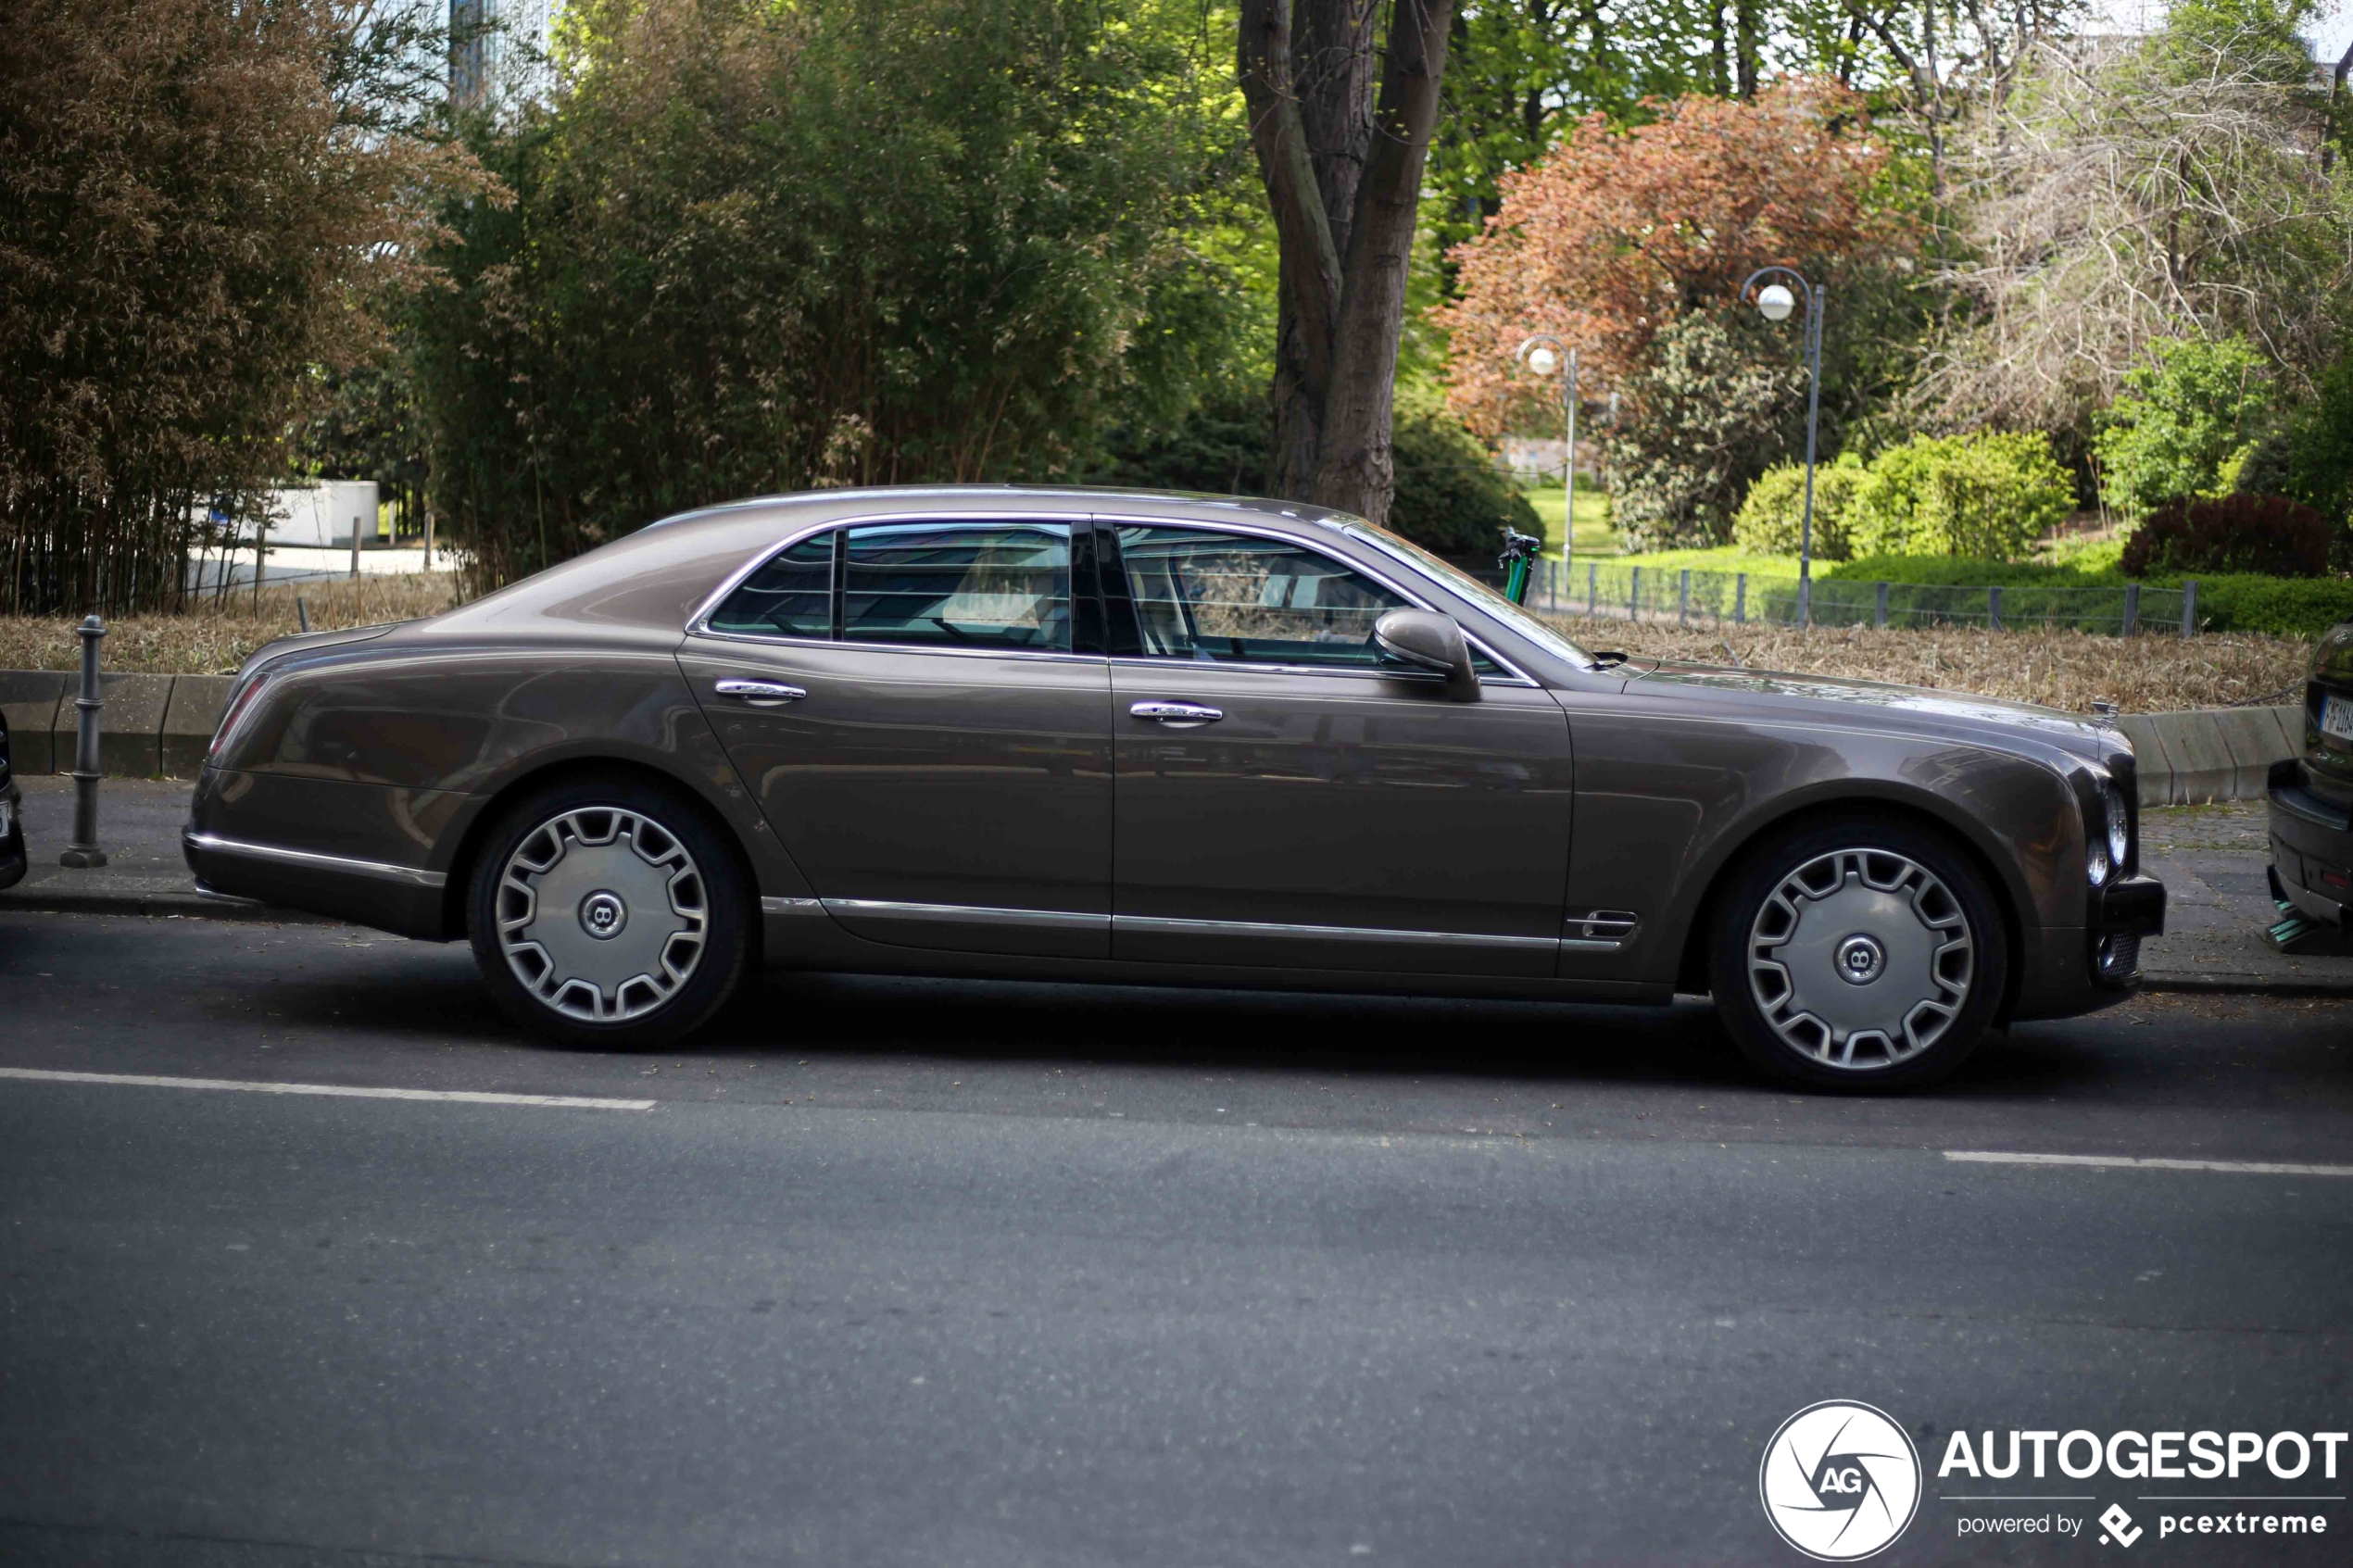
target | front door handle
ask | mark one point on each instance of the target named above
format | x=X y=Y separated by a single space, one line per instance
x=761 y=694
x=1176 y=715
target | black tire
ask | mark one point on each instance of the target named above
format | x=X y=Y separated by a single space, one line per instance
x=1798 y=990
x=679 y=881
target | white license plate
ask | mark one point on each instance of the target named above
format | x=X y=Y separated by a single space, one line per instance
x=2337 y=718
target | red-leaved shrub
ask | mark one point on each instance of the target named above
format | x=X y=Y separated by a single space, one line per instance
x=2270 y=535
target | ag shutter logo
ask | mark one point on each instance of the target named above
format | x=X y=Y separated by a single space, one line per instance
x=1840 y=1481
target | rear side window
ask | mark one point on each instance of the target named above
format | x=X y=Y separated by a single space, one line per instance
x=990 y=584
x=939 y=584
x=791 y=597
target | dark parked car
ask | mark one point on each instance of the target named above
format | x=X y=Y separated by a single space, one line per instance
x=2312 y=796
x=1118 y=736
x=12 y=863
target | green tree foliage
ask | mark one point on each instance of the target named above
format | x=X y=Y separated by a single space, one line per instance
x=1718 y=402
x=197 y=204
x=2308 y=456
x=2183 y=424
x=756 y=248
x=1988 y=495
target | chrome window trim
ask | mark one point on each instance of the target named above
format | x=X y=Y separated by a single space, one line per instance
x=1516 y=676
x=699 y=623
x=312 y=860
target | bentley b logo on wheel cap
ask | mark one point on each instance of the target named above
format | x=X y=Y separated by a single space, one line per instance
x=603 y=914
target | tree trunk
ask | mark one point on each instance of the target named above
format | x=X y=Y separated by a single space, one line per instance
x=1748 y=37
x=1342 y=170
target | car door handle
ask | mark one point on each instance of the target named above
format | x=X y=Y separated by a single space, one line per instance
x=761 y=694
x=1179 y=714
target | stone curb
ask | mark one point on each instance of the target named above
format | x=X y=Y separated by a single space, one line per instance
x=187 y=906
x=2246 y=985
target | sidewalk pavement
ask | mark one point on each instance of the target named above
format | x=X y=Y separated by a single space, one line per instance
x=2211 y=860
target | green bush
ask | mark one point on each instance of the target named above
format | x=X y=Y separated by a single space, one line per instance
x=2183 y=423
x=1989 y=496
x=1451 y=497
x=2269 y=534
x=2280 y=607
x=1771 y=519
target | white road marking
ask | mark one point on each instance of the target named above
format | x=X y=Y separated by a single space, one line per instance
x=2121 y=1162
x=464 y=1096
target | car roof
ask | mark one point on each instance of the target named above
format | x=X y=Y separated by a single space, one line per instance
x=1059 y=498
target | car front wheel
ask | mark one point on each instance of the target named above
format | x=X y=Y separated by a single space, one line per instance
x=1864 y=955
x=608 y=913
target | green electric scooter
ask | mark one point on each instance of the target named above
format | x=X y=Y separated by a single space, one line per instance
x=1518 y=550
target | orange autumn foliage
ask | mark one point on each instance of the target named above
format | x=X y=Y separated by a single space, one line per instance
x=1613 y=233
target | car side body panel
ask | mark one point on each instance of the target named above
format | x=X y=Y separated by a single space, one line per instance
x=371 y=761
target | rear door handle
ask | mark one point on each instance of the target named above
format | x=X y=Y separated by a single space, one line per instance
x=1178 y=715
x=761 y=694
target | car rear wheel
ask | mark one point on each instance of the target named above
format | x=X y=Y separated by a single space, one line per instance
x=610 y=912
x=1864 y=955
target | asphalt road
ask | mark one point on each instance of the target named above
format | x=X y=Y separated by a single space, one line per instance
x=928 y=1273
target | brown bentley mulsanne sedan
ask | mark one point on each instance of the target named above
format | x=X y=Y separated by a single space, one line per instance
x=1174 y=740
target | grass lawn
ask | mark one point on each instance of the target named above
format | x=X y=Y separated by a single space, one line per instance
x=1594 y=535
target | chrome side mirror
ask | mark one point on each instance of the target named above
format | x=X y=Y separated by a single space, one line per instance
x=1424 y=643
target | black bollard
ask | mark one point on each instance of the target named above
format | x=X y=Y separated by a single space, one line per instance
x=83 y=851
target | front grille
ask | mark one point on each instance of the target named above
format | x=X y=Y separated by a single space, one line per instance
x=2119 y=957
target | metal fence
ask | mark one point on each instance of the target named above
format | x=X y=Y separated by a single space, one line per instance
x=1627 y=592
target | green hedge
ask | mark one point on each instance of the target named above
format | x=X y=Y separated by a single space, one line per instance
x=2283 y=607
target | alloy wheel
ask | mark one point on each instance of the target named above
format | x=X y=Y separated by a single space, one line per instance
x=1860 y=959
x=602 y=914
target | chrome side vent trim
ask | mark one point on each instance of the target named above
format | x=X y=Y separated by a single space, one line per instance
x=1599 y=930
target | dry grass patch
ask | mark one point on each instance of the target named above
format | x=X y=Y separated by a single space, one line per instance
x=2060 y=669
x=216 y=638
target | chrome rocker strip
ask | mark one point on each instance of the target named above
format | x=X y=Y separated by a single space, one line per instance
x=964 y=914
x=1161 y=925
x=1056 y=920
x=307 y=859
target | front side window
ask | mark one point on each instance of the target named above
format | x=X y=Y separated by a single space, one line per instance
x=1234 y=599
x=990 y=584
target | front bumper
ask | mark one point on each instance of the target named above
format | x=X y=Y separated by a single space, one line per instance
x=2066 y=971
x=12 y=855
x=2311 y=849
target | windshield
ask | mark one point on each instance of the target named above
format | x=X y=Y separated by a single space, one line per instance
x=1487 y=598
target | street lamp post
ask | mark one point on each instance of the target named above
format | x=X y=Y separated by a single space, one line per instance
x=1774 y=302
x=1543 y=354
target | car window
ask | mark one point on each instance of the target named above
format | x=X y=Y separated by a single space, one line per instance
x=990 y=584
x=791 y=596
x=1230 y=598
